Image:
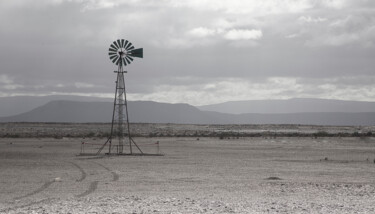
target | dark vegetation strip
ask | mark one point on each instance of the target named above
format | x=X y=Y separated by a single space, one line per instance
x=102 y=130
x=214 y=134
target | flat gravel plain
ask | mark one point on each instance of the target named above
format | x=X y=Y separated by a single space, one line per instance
x=195 y=175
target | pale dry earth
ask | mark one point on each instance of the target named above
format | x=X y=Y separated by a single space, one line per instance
x=205 y=175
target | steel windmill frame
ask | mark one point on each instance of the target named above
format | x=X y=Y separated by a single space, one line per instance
x=121 y=53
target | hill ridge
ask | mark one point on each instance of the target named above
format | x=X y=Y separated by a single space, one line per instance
x=180 y=113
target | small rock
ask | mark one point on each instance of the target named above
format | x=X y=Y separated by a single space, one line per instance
x=273 y=178
x=58 y=179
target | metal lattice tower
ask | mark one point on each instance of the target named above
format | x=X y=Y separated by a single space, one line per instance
x=121 y=53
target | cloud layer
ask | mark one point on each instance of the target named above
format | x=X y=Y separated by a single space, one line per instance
x=197 y=51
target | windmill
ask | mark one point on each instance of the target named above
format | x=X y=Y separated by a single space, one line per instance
x=121 y=53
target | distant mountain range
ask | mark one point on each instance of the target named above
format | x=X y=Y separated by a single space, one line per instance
x=297 y=105
x=139 y=111
x=294 y=111
x=10 y=106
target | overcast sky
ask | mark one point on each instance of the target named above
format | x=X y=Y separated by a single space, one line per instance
x=197 y=51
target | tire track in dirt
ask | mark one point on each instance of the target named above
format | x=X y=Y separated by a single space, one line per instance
x=93 y=186
x=115 y=176
x=83 y=173
x=40 y=189
x=25 y=205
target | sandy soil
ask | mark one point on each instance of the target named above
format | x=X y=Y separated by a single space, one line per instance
x=245 y=175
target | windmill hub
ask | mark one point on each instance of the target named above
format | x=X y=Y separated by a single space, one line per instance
x=122 y=52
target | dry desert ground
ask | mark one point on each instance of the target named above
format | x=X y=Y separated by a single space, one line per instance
x=195 y=175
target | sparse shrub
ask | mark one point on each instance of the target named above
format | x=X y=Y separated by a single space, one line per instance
x=105 y=134
x=13 y=135
x=322 y=134
x=355 y=134
x=57 y=137
x=91 y=134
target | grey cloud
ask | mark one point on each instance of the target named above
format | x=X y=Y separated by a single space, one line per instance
x=54 y=45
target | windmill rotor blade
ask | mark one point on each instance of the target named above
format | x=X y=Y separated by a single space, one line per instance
x=112 y=53
x=127 y=47
x=114 y=59
x=119 y=43
x=130 y=48
x=112 y=50
x=115 y=44
x=136 y=53
x=118 y=60
x=123 y=61
x=114 y=47
x=126 y=43
x=122 y=42
x=129 y=58
x=113 y=56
